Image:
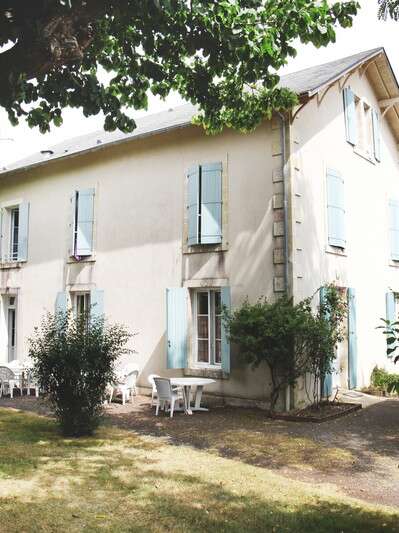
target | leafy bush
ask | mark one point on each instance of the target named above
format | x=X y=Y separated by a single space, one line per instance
x=391 y=331
x=290 y=338
x=73 y=363
x=385 y=381
x=275 y=333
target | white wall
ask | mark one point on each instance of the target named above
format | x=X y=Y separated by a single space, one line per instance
x=319 y=132
x=139 y=205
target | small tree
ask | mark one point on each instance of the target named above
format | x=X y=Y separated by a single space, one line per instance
x=273 y=333
x=328 y=332
x=391 y=331
x=73 y=363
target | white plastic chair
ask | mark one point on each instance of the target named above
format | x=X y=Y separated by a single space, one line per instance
x=154 y=387
x=31 y=384
x=165 y=395
x=127 y=387
x=8 y=381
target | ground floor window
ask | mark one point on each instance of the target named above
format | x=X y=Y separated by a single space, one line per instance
x=12 y=327
x=208 y=326
x=81 y=304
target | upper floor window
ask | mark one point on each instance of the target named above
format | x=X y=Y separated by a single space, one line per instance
x=362 y=124
x=83 y=223
x=14 y=232
x=14 y=215
x=205 y=204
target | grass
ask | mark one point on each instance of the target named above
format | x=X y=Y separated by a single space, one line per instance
x=120 y=481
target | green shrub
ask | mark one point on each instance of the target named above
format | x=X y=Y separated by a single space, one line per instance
x=73 y=363
x=290 y=338
x=385 y=381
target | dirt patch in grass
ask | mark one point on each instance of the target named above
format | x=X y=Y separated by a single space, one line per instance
x=121 y=481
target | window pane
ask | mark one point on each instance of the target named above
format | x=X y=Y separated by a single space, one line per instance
x=218 y=352
x=218 y=327
x=218 y=303
x=203 y=352
x=203 y=327
x=202 y=303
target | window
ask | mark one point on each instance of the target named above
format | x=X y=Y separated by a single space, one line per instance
x=365 y=127
x=81 y=304
x=83 y=223
x=208 y=326
x=205 y=204
x=12 y=327
x=362 y=125
x=14 y=232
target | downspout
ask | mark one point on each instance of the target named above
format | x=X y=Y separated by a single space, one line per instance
x=289 y=393
x=283 y=141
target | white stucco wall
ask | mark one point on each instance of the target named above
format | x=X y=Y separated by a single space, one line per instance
x=139 y=213
x=320 y=142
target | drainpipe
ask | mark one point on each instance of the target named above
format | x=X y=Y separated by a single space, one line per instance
x=285 y=198
x=289 y=393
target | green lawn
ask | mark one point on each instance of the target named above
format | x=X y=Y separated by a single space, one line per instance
x=120 y=481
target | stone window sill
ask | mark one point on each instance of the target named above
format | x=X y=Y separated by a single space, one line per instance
x=206 y=372
x=205 y=248
x=364 y=155
x=336 y=251
x=73 y=261
x=11 y=264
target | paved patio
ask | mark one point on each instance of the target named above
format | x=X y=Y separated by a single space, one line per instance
x=359 y=453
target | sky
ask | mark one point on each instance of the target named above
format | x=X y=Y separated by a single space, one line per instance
x=367 y=33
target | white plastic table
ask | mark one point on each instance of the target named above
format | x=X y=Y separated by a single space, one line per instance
x=186 y=384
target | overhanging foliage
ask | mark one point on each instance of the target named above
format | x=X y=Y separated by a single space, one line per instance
x=222 y=56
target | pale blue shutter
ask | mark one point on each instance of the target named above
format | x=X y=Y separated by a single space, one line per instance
x=335 y=209
x=84 y=223
x=350 y=116
x=390 y=306
x=176 y=320
x=193 y=177
x=23 y=231
x=96 y=303
x=226 y=302
x=327 y=387
x=61 y=303
x=376 y=135
x=211 y=203
x=394 y=229
x=352 y=339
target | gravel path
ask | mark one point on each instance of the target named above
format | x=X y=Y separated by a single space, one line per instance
x=359 y=453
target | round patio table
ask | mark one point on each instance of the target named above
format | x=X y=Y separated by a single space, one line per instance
x=186 y=384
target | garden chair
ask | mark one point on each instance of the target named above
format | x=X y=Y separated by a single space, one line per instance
x=31 y=383
x=178 y=390
x=127 y=387
x=165 y=395
x=8 y=381
x=153 y=386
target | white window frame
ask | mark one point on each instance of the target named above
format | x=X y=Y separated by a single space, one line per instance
x=364 y=122
x=86 y=295
x=12 y=243
x=211 y=328
x=13 y=307
x=7 y=241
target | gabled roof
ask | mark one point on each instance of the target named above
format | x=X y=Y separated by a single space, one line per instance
x=310 y=80
x=306 y=83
